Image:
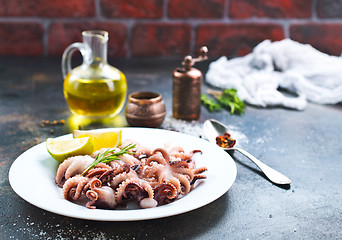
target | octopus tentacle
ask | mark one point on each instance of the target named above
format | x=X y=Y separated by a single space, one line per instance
x=175 y=181
x=185 y=183
x=153 y=182
x=115 y=164
x=137 y=190
x=129 y=159
x=163 y=175
x=107 y=175
x=124 y=168
x=139 y=149
x=200 y=170
x=165 y=154
x=172 y=149
x=92 y=195
x=148 y=188
x=89 y=184
x=71 y=167
x=73 y=187
x=154 y=171
x=185 y=171
x=196 y=151
x=90 y=205
x=119 y=193
x=159 y=158
x=142 y=150
x=164 y=193
x=122 y=177
x=149 y=201
x=95 y=183
x=102 y=165
x=95 y=172
x=179 y=163
x=198 y=176
x=79 y=164
x=134 y=191
x=101 y=197
x=142 y=166
x=60 y=176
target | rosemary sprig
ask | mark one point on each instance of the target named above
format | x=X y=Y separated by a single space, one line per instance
x=108 y=156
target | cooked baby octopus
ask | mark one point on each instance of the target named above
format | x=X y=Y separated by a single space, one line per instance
x=148 y=177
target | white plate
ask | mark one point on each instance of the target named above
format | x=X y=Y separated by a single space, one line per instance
x=32 y=178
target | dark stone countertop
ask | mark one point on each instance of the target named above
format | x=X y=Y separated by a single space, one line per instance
x=304 y=145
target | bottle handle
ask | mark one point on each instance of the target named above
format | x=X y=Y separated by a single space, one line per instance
x=67 y=54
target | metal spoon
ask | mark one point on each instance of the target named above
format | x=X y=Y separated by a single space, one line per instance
x=214 y=128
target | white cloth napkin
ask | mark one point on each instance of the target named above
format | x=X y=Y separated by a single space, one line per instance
x=295 y=67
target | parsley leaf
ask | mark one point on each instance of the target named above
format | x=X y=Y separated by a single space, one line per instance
x=227 y=99
x=211 y=104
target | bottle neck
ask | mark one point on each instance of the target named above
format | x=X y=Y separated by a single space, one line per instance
x=97 y=42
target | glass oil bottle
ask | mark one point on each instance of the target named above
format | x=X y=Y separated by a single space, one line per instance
x=94 y=89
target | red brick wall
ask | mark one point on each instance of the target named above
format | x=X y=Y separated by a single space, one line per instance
x=168 y=28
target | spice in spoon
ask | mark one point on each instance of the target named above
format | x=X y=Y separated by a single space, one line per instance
x=225 y=141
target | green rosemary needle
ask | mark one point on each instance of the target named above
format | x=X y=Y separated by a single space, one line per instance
x=108 y=156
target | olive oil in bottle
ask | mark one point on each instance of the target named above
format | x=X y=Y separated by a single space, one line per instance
x=94 y=89
x=95 y=96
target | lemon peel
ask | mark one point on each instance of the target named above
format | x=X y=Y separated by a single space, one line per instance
x=62 y=149
x=101 y=139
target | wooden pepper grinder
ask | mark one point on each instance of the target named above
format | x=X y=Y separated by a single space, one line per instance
x=186 y=88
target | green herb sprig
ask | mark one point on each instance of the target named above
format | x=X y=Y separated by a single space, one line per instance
x=211 y=104
x=108 y=156
x=227 y=99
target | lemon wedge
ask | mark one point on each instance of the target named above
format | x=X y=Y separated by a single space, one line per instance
x=101 y=139
x=62 y=149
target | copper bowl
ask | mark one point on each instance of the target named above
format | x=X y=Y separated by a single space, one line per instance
x=145 y=109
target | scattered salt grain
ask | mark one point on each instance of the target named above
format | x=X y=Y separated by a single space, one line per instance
x=259 y=141
x=189 y=127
